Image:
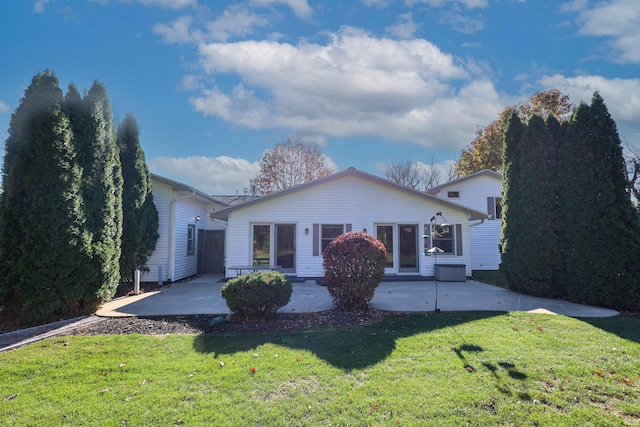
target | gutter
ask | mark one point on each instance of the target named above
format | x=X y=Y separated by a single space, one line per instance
x=220 y=222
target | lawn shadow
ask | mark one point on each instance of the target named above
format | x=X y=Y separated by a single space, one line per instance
x=347 y=348
x=626 y=326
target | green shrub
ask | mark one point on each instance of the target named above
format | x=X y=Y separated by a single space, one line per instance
x=257 y=294
x=353 y=267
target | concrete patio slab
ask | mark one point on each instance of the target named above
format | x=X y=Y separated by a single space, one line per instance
x=202 y=296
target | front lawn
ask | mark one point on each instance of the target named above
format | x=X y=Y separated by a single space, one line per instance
x=445 y=369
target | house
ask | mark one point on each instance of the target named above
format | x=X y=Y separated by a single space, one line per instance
x=190 y=241
x=290 y=228
x=480 y=191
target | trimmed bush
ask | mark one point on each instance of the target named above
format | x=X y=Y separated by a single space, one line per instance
x=353 y=267
x=257 y=294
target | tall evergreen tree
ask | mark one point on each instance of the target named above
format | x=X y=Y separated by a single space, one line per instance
x=43 y=245
x=140 y=216
x=557 y=130
x=539 y=251
x=99 y=159
x=511 y=207
x=602 y=236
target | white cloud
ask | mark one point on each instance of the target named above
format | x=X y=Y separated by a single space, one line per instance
x=214 y=175
x=617 y=20
x=235 y=21
x=177 y=32
x=4 y=108
x=404 y=27
x=169 y=4
x=300 y=8
x=380 y=4
x=353 y=86
x=469 y=4
x=574 y=5
x=38 y=6
x=165 y=4
x=460 y=22
x=620 y=96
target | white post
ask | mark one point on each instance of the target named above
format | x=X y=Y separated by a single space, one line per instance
x=136 y=282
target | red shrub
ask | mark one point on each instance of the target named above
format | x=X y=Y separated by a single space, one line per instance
x=353 y=267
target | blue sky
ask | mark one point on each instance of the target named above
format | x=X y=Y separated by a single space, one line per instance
x=213 y=84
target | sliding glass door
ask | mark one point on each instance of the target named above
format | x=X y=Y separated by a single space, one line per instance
x=401 y=242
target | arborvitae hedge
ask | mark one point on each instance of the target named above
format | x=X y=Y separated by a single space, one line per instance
x=512 y=217
x=44 y=248
x=99 y=159
x=61 y=206
x=140 y=216
x=569 y=227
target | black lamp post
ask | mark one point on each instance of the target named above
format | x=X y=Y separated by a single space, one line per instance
x=436 y=250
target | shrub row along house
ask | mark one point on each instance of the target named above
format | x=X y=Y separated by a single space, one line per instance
x=201 y=234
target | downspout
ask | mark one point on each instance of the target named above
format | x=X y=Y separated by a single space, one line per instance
x=477 y=223
x=172 y=233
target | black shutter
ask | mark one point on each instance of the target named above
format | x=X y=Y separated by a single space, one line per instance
x=459 y=239
x=316 y=239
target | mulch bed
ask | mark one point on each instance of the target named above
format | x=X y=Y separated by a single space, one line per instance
x=197 y=324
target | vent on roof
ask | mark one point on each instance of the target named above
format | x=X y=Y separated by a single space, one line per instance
x=453 y=194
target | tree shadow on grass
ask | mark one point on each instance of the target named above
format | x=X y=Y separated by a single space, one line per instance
x=347 y=348
x=627 y=326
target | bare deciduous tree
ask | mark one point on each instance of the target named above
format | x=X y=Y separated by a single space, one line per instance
x=632 y=159
x=418 y=175
x=405 y=173
x=288 y=164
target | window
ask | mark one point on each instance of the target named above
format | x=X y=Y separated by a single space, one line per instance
x=453 y=194
x=498 y=202
x=328 y=234
x=261 y=244
x=494 y=207
x=191 y=239
x=443 y=237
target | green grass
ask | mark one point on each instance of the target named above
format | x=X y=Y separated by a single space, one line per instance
x=445 y=369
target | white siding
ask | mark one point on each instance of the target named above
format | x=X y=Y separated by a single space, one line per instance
x=485 y=237
x=162 y=196
x=186 y=212
x=171 y=249
x=349 y=200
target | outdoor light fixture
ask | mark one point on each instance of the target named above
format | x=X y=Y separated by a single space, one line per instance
x=198 y=218
x=306 y=231
x=364 y=230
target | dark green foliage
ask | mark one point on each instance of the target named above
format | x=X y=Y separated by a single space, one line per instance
x=539 y=253
x=44 y=249
x=140 y=216
x=353 y=267
x=512 y=202
x=257 y=294
x=602 y=233
x=98 y=156
x=569 y=227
